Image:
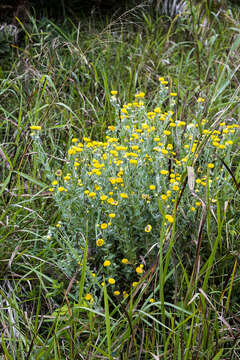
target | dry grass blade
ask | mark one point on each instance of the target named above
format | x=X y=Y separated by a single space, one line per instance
x=13 y=256
x=196 y=266
x=220 y=317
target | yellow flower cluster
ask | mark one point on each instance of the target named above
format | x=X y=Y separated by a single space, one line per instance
x=140 y=165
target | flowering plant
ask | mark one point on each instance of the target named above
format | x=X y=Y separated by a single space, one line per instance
x=119 y=193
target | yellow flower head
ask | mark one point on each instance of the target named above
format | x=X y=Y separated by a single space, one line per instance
x=169 y=218
x=34 y=127
x=58 y=172
x=104 y=226
x=116 y=293
x=111 y=281
x=100 y=242
x=106 y=263
x=71 y=151
x=103 y=197
x=164 y=172
x=133 y=161
x=140 y=95
x=211 y=166
x=148 y=228
x=164 y=151
x=88 y=297
x=167 y=132
x=61 y=188
x=125 y=261
x=139 y=270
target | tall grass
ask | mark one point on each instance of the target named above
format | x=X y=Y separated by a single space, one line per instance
x=60 y=78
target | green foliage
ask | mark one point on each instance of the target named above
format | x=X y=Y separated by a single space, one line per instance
x=185 y=304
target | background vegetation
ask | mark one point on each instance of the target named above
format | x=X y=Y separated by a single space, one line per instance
x=59 y=75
